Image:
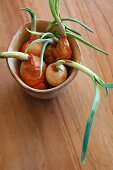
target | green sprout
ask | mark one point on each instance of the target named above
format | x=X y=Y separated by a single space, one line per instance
x=97 y=82
x=54 y=6
x=33 y=18
x=14 y=54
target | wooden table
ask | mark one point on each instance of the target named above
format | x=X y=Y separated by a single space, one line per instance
x=47 y=134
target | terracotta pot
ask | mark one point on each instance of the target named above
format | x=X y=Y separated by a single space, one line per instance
x=14 y=65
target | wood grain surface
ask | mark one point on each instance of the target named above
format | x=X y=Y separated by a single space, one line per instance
x=47 y=134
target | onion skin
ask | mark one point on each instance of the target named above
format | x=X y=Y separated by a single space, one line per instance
x=49 y=54
x=35 y=49
x=56 y=76
x=63 y=50
x=30 y=73
x=58 y=51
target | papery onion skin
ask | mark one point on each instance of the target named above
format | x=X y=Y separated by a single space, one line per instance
x=63 y=50
x=56 y=76
x=49 y=54
x=35 y=49
x=30 y=73
x=58 y=51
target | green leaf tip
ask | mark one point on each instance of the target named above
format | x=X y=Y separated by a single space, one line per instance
x=107 y=91
x=89 y=123
x=97 y=82
x=33 y=18
x=31 y=12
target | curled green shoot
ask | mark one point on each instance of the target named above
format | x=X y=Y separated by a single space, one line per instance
x=50 y=35
x=33 y=43
x=43 y=35
x=78 y=22
x=58 y=64
x=14 y=54
x=97 y=82
x=33 y=18
x=35 y=32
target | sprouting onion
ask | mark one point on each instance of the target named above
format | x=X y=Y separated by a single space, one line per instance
x=45 y=43
x=67 y=31
x=97 y=82
x=56 y=74
x=50 y=40
x=36 y=49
